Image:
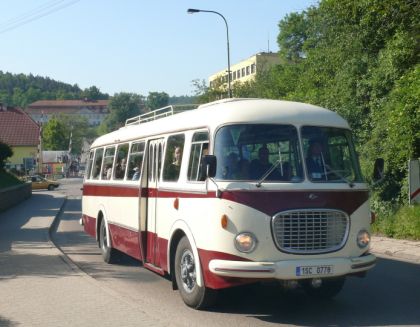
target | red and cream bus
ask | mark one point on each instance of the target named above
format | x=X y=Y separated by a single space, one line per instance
x=233 y=192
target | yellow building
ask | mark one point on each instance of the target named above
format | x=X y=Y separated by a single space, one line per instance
x=245 y=70
x=21 y=133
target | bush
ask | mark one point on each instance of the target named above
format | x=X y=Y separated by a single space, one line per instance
x=5 y=152
x=7 y=180
x=404 y=223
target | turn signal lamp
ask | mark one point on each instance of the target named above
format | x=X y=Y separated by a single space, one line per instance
x=224 y=221
x=176 y=203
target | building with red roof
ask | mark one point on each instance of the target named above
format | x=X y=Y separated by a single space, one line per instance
x=94 y=111
x=21 y=133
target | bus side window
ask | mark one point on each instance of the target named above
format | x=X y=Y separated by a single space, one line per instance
x=90 y=165
x=108 y=163
x=173 y=157
x=121 y=161
x=135 y=161
x=96 y=171
x=199 y=148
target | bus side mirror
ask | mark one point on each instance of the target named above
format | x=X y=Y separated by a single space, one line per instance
x=208 y=166
x=378 y=170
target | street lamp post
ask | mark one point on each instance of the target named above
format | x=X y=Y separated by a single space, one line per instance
x=193 y=11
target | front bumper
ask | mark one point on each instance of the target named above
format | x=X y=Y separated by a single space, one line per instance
x=287 y=269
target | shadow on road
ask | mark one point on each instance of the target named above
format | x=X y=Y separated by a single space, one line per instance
x=7 y=323
x=389 y=295
x=27 y=222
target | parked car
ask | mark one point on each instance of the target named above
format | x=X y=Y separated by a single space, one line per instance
x=39 y=182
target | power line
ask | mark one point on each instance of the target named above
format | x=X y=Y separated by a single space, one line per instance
x=32 y=12
x=35 y=14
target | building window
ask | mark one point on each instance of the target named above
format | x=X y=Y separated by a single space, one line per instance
x=243 y=72
x=238 y=73
x=253 y=69
x=247 y=70
x=234 y=75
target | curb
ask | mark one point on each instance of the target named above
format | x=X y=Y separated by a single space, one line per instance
x=79 y=271
x=404 y=250
x=53 y=228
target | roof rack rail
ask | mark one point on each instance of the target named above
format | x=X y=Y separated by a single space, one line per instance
x=159 y=113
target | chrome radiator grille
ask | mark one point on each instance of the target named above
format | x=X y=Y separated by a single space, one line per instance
x=310 y=231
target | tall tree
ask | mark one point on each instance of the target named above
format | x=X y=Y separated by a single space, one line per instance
x=157 y=100
x=121 y=107
x=55 y=135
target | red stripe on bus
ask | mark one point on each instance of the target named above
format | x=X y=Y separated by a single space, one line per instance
x=110 y=190
x=269 y=202
x=272 y=202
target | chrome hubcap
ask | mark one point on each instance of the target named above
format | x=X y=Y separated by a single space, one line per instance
x=104 y=239
x=188 y=275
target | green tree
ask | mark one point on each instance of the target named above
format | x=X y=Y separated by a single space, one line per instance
x=121 y=107
x=55 y=135
x=93 y=93
x=156 y=100
x=5 y=152
x=79 y=129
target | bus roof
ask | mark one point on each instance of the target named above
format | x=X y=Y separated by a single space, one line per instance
x=229 y=111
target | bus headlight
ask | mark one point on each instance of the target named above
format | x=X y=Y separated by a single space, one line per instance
x=363 y=238
x=245 y=242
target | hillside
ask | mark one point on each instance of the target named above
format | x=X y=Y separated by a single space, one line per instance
x=21 y=90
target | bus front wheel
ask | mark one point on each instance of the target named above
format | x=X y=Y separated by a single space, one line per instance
x=108 y=253
x=195 y=296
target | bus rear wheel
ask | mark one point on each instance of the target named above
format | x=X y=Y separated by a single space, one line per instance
x=109 y=254
x=195 y=296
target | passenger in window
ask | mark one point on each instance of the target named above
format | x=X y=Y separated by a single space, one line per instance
x=243 y=170
x=262 y=164
x=136 y=175
x=120 y=169
x=231 y=166
x=315 y=160
x=173 y=169
x=286 y=172
x=108 y=170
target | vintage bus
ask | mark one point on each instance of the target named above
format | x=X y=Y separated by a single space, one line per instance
x=233 y=192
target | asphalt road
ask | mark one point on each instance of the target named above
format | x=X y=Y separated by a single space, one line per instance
x=389 y=295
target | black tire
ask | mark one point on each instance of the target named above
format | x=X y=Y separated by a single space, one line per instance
x=109 y=254
x=197 y=297
x=329 y=288
x=50 y=187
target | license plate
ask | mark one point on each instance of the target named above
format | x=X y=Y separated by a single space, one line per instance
x=314 y=270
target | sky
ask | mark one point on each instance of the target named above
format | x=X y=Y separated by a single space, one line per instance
x=135 y=46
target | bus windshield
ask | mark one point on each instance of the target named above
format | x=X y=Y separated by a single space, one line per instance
x=330 y=155
x=250 y=151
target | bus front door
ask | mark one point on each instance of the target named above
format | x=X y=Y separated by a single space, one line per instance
x=155 y=153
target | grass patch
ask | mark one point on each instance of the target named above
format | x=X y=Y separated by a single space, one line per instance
x=7 y=180
x=405 y=223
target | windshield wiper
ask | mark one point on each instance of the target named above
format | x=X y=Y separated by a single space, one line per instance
x=344 y=179
x=268 y=172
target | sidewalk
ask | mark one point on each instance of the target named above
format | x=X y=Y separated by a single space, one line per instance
x=38 y=284
x=398 y=249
